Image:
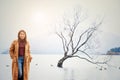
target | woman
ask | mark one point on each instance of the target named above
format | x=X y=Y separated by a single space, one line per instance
x=21 y=58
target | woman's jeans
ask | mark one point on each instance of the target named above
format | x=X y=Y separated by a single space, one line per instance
x=20 y=66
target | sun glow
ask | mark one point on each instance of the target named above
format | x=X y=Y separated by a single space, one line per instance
x=40 y=22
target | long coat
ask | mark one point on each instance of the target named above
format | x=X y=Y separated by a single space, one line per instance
x=14 y=56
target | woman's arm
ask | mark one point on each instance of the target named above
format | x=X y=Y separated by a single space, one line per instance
x=29 y=53
x=11 y=50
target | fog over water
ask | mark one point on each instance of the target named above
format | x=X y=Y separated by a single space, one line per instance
x=44 y=67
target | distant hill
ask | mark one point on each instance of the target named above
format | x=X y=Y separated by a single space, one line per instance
x=117 y=49
x=114 y=51
x=5 y=52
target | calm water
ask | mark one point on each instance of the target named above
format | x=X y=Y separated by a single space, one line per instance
x=43 y=67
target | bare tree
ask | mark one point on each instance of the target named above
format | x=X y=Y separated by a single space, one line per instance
x=72 y=44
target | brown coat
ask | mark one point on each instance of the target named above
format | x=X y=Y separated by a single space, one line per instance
x=14 y=56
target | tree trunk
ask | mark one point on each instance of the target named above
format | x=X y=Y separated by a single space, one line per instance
x=60 y=62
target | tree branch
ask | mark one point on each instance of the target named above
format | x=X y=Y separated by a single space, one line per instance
x=62 y=41
x=86 y=54
x=80 y=38
x=88 y=37
x=105 y=62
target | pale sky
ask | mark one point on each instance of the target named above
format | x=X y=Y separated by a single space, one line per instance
x=38 y=18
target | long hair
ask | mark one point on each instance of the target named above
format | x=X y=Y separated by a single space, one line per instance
x=25 y=39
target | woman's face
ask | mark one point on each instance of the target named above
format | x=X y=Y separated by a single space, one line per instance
x=22 y=35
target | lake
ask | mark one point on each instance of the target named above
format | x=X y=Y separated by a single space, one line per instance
x=43 y=67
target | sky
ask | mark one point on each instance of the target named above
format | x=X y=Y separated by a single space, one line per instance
x=38 y=19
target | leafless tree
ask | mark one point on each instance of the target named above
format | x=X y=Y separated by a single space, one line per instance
x=72 y=44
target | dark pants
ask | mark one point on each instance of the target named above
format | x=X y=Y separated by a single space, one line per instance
x=20 y=68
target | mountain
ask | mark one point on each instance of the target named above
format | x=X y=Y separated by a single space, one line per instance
x=114 y=51
x=5 y=52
